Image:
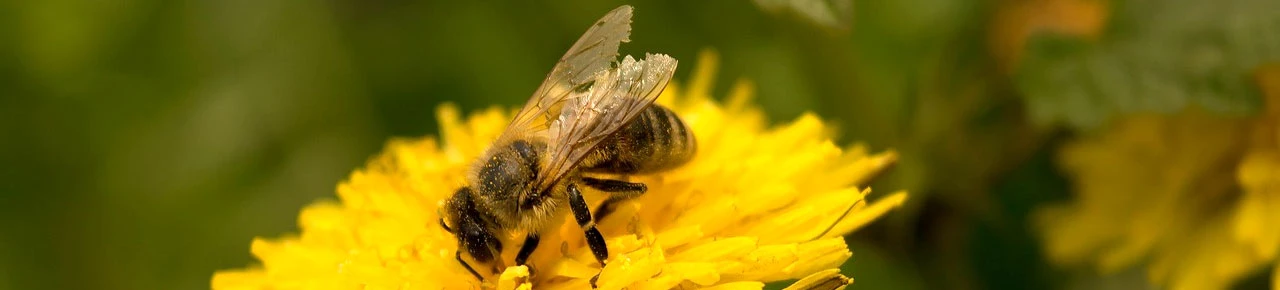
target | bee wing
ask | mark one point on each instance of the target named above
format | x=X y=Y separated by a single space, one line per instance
x=615 y=97
x=593 y=53
x=584 y=98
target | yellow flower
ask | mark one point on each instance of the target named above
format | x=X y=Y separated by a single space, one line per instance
x=755 y=205
x=1195 y=197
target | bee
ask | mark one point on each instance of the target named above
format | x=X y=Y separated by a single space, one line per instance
x=591 y=116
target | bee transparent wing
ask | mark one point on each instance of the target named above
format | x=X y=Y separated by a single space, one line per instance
x=614 y=98
x=592 y=53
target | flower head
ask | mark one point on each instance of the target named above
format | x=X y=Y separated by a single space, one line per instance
x=1196 y=197
x=756 y=204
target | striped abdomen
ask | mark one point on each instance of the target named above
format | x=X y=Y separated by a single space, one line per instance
x=654 y=141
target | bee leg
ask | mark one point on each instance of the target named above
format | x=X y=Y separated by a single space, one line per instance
x=458 y=255
x=495 y=251
x=583 y=216
x=530 y=243
x=619 y=191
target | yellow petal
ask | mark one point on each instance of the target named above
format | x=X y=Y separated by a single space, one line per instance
x=630 y=268
x=1258 y=215
x=513 y=277
x=865 y=216
x=744 y=285
x=1275 y=277
x=829 y=279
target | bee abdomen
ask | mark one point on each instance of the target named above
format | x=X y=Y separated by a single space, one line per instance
x=655 y=140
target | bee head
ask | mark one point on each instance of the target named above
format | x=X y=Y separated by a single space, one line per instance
x=471 y=227
x=505 y=180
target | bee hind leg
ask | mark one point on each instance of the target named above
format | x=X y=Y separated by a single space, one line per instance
x=594 y=239
x=619 y=191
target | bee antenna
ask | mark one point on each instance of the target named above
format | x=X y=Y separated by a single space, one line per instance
x=837 y=221
x=442 y=224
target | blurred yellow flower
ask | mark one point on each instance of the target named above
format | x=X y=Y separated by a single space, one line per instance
x=755 y=205
x=1195 y=197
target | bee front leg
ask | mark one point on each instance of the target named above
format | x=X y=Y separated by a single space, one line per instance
x=530 y=243
x=619 y=191
x=458 y=254
x=583 y=215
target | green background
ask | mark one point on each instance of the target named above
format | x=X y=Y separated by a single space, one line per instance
x=144 y=143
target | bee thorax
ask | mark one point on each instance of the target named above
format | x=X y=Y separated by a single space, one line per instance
x=505 y=186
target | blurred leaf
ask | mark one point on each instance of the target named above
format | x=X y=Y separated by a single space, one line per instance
x=1155 y=57
x=1006 y=254
x=833 y=14
x=1015 y=21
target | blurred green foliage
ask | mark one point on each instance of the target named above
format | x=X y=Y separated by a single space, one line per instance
x=1155 y=57
x=146 y=142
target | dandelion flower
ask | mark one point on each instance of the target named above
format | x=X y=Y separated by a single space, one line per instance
x=1195 y=197
x=755 y=205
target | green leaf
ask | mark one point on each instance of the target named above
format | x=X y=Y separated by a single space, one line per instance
x=1155 y=57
